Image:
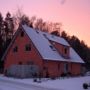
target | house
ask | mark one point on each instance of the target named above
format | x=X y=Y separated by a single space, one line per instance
x=51 y=54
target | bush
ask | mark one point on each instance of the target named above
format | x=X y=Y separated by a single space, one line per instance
x=85 y=86
x=34 y=80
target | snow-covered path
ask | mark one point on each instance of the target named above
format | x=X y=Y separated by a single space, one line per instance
x=10 y=85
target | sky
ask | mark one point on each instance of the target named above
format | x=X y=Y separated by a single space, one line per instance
x=73 y=14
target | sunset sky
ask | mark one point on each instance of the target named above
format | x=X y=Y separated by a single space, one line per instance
x=74 y=14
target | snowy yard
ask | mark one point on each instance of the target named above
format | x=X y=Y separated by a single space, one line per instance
x=28 y=84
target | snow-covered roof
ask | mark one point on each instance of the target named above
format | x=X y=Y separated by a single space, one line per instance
x=46 y=49
x=57 y=39
x=74 y=56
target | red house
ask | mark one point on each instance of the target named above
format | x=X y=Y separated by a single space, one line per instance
x=51 y=54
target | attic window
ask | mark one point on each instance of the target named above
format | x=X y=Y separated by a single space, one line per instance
x=52 y=48
x=22 y=34
x=28 y=47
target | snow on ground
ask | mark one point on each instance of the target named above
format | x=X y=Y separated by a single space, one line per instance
x=58 y=84
x=64 y=84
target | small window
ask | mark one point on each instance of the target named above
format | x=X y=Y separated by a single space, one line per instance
x=65 y=50
x=66 y=67
x=28 y=47
x=22 y=34
x=15 y=49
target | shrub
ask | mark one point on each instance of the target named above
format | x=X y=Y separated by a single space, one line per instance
x=85 y=86
x=34 y=80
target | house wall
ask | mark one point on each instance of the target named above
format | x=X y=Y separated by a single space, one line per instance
x=76 y=68
x=23 y=56
x=56 y=68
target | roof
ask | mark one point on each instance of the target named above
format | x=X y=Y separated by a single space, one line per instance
x=74 y=57
x=44 y=46
x=57 y=39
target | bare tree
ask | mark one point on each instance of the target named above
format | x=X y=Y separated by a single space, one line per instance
x=32 y=21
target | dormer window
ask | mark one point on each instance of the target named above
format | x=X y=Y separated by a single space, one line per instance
x=65 y=50
x=22 y=34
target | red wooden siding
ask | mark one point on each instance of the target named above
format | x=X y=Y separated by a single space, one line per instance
x=76 y=68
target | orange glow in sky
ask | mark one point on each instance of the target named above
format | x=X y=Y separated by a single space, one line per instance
x=74 y=14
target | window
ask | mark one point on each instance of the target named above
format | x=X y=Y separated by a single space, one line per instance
x=65 y=50
x=15 y=49
x=22 y=34
x=66 y=67
x=52 y=48
x=28 y=47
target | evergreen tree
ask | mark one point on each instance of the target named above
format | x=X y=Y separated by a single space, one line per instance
x=1 y=41
x=9 y=28
x=1 y=33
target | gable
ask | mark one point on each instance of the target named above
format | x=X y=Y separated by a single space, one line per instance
x=21 y=41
